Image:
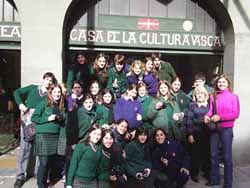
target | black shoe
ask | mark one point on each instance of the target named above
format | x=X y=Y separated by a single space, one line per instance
x=211 y=183
x=195 y=179
x=19 y=183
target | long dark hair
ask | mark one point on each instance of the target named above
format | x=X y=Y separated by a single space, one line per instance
x=141 y=131
x=104 y=133
x=105 y=91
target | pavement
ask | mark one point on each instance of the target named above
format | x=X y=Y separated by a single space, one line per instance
x=8 y=170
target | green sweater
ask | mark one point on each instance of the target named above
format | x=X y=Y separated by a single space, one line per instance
x=162 y=117
x=84 y=119
x=101 y=77
x=166 y=72
x=104 y=166
x=121 y=81
x=84 y=163
x=30 y=95
x=137 y=158
x=145 y=102
x=105 y=115
x=40 y=117
x=183 y=100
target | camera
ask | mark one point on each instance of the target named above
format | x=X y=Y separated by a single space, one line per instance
x=119 y=175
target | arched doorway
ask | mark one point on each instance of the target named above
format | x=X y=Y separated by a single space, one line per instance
x=191 y=34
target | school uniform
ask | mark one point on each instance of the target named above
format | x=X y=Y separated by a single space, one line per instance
x=83 y=166
x=127 y=109
x=137 y=159
x=104 y=168
x=31 y=96
x=117 y=160
x=162 y=117
x=121 y=82
x=47 y=140
x=106 y=114
x=78 y=72
x=79 y=122
x=177 y=158
x=133 y=79
x=166 y=71
x=74 y=102
x=151 y=82
x=145 y=102
x=100 y=76
x=182 y=100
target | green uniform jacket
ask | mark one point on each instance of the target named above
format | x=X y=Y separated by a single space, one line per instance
x=84 y=163
x=83 y=119
x=99 y=78
x=183 y=100
x=40 y=117
x=121 y=81
x=166 y=72
x=105 y=115
x=104 y=166
x=163 y=117
x=29 y=95
x=145 y=102
x=137 y=158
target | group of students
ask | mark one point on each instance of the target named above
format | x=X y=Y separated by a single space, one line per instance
x=127 y=124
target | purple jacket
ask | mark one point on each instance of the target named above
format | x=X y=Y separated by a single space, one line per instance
x=127 y=109
x=227 y=107
x=152 y=83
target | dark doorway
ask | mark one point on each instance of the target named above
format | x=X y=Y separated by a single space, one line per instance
x=185 y=65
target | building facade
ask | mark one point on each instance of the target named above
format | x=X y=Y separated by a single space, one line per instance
x=195 y=35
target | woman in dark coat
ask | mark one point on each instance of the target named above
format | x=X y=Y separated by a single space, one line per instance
x=170 y=160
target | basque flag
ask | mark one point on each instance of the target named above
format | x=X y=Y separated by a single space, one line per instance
x=148 y=24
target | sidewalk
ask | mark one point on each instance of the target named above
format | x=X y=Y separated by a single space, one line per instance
x=8 y=163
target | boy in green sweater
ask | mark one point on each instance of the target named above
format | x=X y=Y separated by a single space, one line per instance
x=27 y=98
x=165 y=70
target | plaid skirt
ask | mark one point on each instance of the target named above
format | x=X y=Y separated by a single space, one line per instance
x=46 y=144
x=78 y=183
x=61 y=148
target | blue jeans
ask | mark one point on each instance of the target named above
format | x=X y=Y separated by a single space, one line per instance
x=225 y=136
x=26 y=159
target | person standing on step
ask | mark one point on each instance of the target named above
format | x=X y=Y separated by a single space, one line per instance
x=27 y=98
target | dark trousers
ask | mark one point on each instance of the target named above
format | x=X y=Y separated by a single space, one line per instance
x=199 y=152
x=162 y=180
x=145 y=183
x=225 y=136
x=48 y=167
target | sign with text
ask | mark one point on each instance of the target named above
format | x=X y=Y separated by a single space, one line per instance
x=145 y=38
x=10 y=32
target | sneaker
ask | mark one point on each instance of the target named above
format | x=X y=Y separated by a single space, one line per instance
x=19 y=183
